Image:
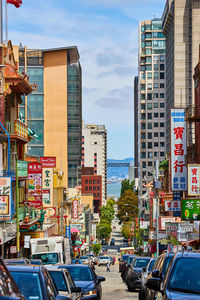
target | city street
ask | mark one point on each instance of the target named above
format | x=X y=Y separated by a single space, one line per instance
x=113 y=288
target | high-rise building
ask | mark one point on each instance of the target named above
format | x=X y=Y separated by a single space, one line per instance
x=181 y=26
x=94 y=153
x=151 y=99
x=136 y=126
x=54 y=110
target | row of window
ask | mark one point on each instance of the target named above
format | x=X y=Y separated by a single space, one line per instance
x=150 y=105
x=153 y=35
x=151 y=154
x=155 y=86
x=92 y=188
x=149 y=67
x=90 y=181
x=155 y=25
x=150 y=125
x=149 y=115
x=153 y=43
x=150 y=145
x=150 y=135
x=151 y=96
x=149 y=74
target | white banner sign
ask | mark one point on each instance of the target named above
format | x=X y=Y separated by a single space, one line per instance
x=172 y=205
x=178 y=150
x=47 y=185
x=193 y=180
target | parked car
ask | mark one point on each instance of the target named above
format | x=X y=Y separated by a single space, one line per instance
x=158 y=271
x=103 y=260
x=145 y=273
x=112 y=242
x=133 y=278
x=126 y=267
x=20 y=261
x=92 y=258
x=87 y=279
x=35 y=261
x=8 y=287
x=64 y=283
x=122 y=261
x=85 y=260
x=182 y=278
x=34 y=282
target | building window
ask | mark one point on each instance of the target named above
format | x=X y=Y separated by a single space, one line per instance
x=98 y=188
x=162 y=124
x=149 y=75
x=149 y=105
x=90 y=188
x=148 y=59
x=162 y=105
x=143 y=154
x=149 y=135
x=155 y=105
x=162 y=154
x=94 y=181
x=162 y=134
x=155 y=134
x=143 y=97
x=162 y=75
x=155 y=144
x=155 y=85
x=149 y=86
x=162 y=85
x=95 y=143
x=155 y=115
x=143 y=87
x=155 y=68
x=155 y=95
x=94 y=188
x=162 y=95
x=149 y=163
x=86 y=181
x=143 y=145
x=155 y=75
x=150 y=126
x=98 y=181
x=143 y=126
x=156 y=58
x=143 y=116
x=149 y=145
x=90 y=181
x=86 y=188
x=155 y=154
x=150 y=155
x=156 y=124
x=143 y=135
x=144 y=164
x=162 y=58
x=162 y=115
x=162 y=144
x=149 y=96
x=97 y=195
x=143 y=106
x=162 y=67
x=149 y=116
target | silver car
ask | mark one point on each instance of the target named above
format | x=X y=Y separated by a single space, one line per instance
x=85 y=260
x=103 y=260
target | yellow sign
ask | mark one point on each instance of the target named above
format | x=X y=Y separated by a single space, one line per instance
x=4 y=205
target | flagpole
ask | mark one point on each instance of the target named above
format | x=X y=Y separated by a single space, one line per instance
x=6 y=13
x=1 y=21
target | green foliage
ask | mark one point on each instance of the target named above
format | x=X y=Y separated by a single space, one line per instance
x=110 y=202
x=96 y=248
x=104 y=229
x=126 y=185
x=107 y=213
x=126 y=229
x=127 y=206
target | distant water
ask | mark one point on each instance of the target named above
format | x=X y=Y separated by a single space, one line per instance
x=113 y=189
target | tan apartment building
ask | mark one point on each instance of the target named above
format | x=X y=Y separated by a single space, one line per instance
x=54 y=110
x=181 y=27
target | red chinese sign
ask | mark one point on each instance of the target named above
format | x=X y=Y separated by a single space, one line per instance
x=75 y=209
x=178 y=150
x=34 y=184
x=193 y=180
x=48 y=162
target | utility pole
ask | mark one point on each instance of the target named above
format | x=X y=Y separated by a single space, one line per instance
x=17 y=200
x=157 y=185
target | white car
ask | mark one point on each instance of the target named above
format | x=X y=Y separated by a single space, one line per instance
x=103 y=260
x=85 y=260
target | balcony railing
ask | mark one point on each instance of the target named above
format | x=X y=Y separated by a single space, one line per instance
x=17 y=129
x=192 y=113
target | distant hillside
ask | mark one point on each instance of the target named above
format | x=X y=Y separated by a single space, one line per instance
x=114 y=173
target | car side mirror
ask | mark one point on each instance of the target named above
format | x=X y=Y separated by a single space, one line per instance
x=153 y=284
x=61 y=297
x=76 y=289
x=100 y=279
x=155 y=273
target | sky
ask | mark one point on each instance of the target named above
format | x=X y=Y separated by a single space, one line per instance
x=106 y=34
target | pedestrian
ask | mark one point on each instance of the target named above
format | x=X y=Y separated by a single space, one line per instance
x=114 y=260
x=108 y=267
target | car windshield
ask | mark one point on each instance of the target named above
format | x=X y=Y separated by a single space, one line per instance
x=125 y=257
x=29 y=284
x=80 y=274
x=141 y=263
x=104 y=257
x=130 y=258
x=59 y=280
x=151 y=265
x=47 y=258
x=185 y=276
x=166 y=264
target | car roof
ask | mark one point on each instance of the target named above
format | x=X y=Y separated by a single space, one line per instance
x=25 y=268
x=188 y=254
x=74 y=266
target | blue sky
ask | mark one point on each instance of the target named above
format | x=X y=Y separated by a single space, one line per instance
x=106 y=34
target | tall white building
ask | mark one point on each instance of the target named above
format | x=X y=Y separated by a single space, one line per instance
x=94 y=152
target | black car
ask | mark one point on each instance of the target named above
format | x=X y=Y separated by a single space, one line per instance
x=64 y=283
x=126 y=267
x=182 y=278
x=133 y=278
x=158 y=271
x=87 y=279
x=145 y=273
x=122 y=261
x=8 y=287
x=34 y=282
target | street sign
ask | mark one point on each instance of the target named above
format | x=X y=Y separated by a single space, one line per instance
x=185 y=227
x=190 y=209
x=169 y=226
x=161 y=235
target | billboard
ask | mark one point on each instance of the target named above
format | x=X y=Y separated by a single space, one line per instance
x=172 y=205
x=178 y=150
x=194 y=180
x=5 y=198
x=48 y=161
x=190 y=209
x=47 y=187
x=34 y=184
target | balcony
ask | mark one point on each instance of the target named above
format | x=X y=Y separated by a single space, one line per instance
x=17 y=131
x=192 y=113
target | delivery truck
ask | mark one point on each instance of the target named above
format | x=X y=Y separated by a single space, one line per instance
x=51 y=250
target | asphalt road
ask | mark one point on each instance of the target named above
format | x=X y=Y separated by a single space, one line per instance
x=113 y=288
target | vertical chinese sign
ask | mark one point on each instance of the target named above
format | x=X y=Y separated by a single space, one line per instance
x=75 y=209
x=5 y=198
x=193 y=180
x=35 y=184
x=48 y=163
x=178 y=150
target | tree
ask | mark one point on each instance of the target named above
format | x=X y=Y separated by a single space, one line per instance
x=127 y=212
x=104 y=229
x=107 y=213
x=126 y=185
x=110 y=202
x=96 y=248
x=126 y=230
